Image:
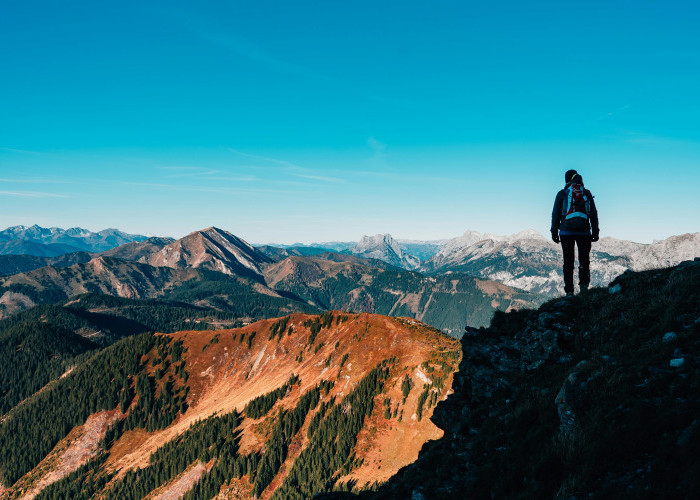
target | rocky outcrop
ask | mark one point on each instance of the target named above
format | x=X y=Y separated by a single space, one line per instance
x=579 y=399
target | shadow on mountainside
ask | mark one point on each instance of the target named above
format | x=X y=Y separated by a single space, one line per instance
x=594 y=396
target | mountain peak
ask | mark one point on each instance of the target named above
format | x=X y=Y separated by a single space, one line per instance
x=385 y=247
x=212 y=248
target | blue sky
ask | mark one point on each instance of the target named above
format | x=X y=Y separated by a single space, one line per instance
x=318 y=121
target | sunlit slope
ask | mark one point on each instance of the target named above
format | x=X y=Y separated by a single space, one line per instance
x=350 y=369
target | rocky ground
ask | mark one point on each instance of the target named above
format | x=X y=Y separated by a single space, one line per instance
x=594 y=396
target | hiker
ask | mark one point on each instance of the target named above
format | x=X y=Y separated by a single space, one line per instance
x=575 y=223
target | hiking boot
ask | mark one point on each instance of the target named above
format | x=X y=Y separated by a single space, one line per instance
x=569 y=294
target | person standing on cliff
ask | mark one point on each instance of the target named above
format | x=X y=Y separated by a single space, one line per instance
x=575 y=224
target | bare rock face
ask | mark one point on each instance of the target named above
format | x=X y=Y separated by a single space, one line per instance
x=385 y=248
x=531 y=262
x=213 y=249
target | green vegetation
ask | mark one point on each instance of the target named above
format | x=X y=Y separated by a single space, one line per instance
x=332 y=443
x=249 y=339
x=214 y=340
x=31 y=430
x=278 y=327
x=214 y=437
x=260 y=468
x=32 y=353
x=421 y=401
x=80 y=484
x=259 y=406
x=406 y=387
x=387 y=408
x=276 y=447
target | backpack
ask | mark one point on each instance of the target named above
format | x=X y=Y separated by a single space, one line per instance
x=576 y=203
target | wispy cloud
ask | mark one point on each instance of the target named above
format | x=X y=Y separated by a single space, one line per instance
x=32 y=194
x=203 y=189
x=23 y=151
x=243 y=178
x=321 y=178
x=264 y=158
x=289 y=167
x=178 y=171
x=614 y=112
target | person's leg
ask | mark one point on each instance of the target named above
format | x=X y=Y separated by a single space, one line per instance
x=567 y=246
x=584 y=260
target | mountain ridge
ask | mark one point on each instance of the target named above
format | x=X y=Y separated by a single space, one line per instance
x=220 y=374
x=55 y=241
x=588 y=397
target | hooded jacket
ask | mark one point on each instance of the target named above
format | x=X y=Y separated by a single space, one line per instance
x=575 y=225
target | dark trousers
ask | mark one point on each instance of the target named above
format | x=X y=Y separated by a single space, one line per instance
x=583 y=242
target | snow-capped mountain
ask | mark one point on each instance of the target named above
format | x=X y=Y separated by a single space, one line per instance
x=529 y=261
x=26 y=238
x=384 y=247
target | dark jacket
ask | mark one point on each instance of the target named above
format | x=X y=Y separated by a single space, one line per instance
x=576 y=224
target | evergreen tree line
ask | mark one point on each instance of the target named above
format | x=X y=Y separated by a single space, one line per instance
x=259 y=406
x=318 y=416
x=421 y=401
x=160 y=315
x=317 y=323
x=154 y=409
x=260 y=468
x=332 y=444
x=276 y=447
x=81 y=484
x=278 y=328
x=32 y=429
x=214 y=437
x=33 y=353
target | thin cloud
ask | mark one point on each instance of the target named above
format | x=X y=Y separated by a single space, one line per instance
x=614 y=112
x=321 y=178
x=23 y=151
x=246 y=178
x=32 y=194
x=290 y=167
x=203 y=189
x=265 y=158
x=188 y=171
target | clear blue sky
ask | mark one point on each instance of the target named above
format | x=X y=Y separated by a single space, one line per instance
x=317 y=121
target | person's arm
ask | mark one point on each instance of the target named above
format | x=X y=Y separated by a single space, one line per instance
x=593 y=216
x=556 y=217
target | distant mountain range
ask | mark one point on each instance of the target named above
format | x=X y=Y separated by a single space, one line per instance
x=529 y=261
x=215 y=269
x=525 y=260
x=54 y=241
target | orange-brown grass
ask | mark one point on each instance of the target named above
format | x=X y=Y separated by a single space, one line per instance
x=225 y=375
